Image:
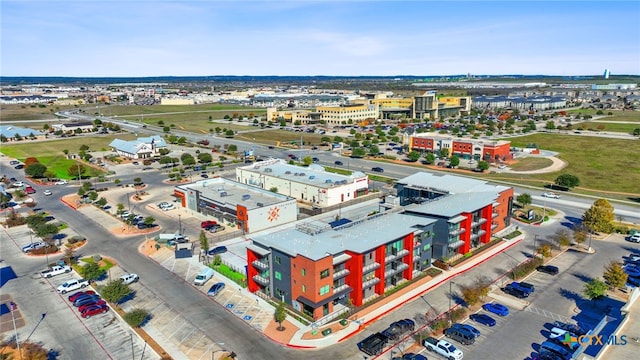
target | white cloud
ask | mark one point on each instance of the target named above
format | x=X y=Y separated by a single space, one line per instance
x=346 y=44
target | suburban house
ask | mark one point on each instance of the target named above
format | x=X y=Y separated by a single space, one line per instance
x=141 y=148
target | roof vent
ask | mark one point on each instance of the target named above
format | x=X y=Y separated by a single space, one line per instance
x=223 y=193
x=311 y=177
x=246 y=197
x=328 y=181
x=302 y=174
x=260 y=204
x=287 y=172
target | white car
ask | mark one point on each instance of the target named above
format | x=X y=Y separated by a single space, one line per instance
x=61 y=182
x=129 y=278
x=18 y=184
x=551 y=195
x=168 y=207
x=47 y=192
x=635 y=238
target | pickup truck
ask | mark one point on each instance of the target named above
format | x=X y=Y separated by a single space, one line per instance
x=443 y=348
x=71 y=285
x=55 y=270
x=373 y=345
x=398 y=328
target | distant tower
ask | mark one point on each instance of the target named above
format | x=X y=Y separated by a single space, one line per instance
x=606 y=73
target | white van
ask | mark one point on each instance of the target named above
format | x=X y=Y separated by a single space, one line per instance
x=203 y=276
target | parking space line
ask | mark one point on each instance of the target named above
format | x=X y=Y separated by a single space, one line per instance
x=170 y=322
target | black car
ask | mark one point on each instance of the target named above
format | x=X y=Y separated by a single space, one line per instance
x=315 y=160
x=377 y=169
x=19 y=167
x=514 y=291
x=217 y=250
x=339 y=163
x=549 y=269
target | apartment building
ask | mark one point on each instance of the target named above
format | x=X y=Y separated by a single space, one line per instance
x=318 y=266
x=466 y=212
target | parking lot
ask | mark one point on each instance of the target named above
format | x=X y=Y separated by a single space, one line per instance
x=51 y=319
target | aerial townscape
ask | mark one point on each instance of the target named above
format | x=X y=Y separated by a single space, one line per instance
x=490 y=210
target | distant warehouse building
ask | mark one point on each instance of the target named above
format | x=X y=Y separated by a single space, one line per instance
x=246 y=207
x=310 y=184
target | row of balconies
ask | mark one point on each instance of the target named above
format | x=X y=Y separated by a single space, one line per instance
x=370 y=282
x=260 y=264
x=457 y=231
x=340 y=273
x=396 y=255
x=261 y=280
x=398 y=268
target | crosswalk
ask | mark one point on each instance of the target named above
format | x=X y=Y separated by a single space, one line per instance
x=548 y=314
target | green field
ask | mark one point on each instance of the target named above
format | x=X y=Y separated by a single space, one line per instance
x=531 y=163
x=271 y=137
x=606 y=126
x=10 y=113
x=616 y=115
x=602 y=164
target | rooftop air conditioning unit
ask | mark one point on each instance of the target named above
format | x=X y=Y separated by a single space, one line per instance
x=260 y=204
x=223 y=193
x=287 y=172
x=302 y=174
x=311 y=177
x=246 y=197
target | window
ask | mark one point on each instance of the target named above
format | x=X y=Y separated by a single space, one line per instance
x=304 y=271
x=426 y=247
x=324 y=273
x=304 y=288
x=277 y=275
x=324 y=290
x=278 y=260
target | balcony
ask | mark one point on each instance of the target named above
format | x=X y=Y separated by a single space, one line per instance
x=370 y=267
x=416 y=258
x=262 y=265
x=340 y=288
x=398 y=268
x=341 y=273
x=494 y=225
x=398 y=255
x=456 y=232
x=494 y=215
x=371 y=282
x=261 y=280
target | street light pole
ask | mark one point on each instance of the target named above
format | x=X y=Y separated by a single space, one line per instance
x=179 y=224
x=450 y=297
x=535 y=250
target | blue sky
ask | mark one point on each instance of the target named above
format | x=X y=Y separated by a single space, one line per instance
x=197 y=38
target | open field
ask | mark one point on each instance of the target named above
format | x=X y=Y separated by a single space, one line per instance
x=531 y=163
x=23 y=149
x=10 y=113
x=600 y=163
x=599 y=125
x=271 y=137
x=616 y=115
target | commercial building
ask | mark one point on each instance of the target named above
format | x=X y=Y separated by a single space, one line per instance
x=246 y=207
x=531 y=103
x=318 y=267
x=309 y=184
x=141 y=148
x=467 y=212
x=12 y=132
x=84 y=126
x=465 y=148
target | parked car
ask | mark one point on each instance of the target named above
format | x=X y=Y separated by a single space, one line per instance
x=632 y=270
x=496 y=308
x=208 y=223
x=18 y=184
x=548 y=269
x=377 y=169
x=19 y=167
x=215 y=228
x=523 y=286
x=82 y=308
x=142 y=226
x=514 y=291
x=483 y=319
x=215 y=289
x=635 y=238
x=467 y=327
x=129 y=278
x=14 y=162
x=412 y=356
x=47 y=193
x=551 y=195
x=167 y=207
x=573 y=328
x=61 y=182
x=76 y=295
x=94 y=310
x=338 y=163
x=30 y=190
x=33 y=246
x=315 y=160
x=217 y=250
x=85 y=300
x=460 y=335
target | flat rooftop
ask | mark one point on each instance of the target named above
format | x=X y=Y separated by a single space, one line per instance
x=229 y=192
x=450 y=183
x=314 y=175
x=316 y=239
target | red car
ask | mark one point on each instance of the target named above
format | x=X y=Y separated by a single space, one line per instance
x=100 y=302
x=76 y=295
x=94 y=310
x=30 y=190
x=207 y=224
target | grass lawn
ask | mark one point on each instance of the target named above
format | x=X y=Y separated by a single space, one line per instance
x=602 y=164
x=22 y=150
x=597 y=125
x=271 y=137
x=616 y=115
x=531 y=163
x=10 y=113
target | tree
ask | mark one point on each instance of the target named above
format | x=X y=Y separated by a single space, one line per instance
x=568 y=180
x=35 y=170
x=91 y=271
x=524 y=199
x=550 y=125
x=187 y=159
x=136 y=317
x=413 y=156
x=30 y=160
x=430 y=158
x=137 y=181
x=307 y=160
x=114 y=291
x=444 y=152
x=454 y=161
x=46 y=230
x=93 y=196
x=76 y=171
x=280 y=315
x=544 y=250
x=595 y=289
x=101 y=202
x=205 y=158
x=273 y=189
x=358 y=152
x=120 y=208
x=562 y=238
x=374 y=150
x=483 y=165
x=232 y=148
x=204 y=242
x=149 y=220
x=580 y=233
x=599 y=216
x=614 y=275
x=69 y=256
x=229 y=133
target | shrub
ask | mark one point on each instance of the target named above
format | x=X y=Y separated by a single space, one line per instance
x=50 y=249
x=439 y=325
x=136 y=317
x=458 y=314
x=525 y=268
